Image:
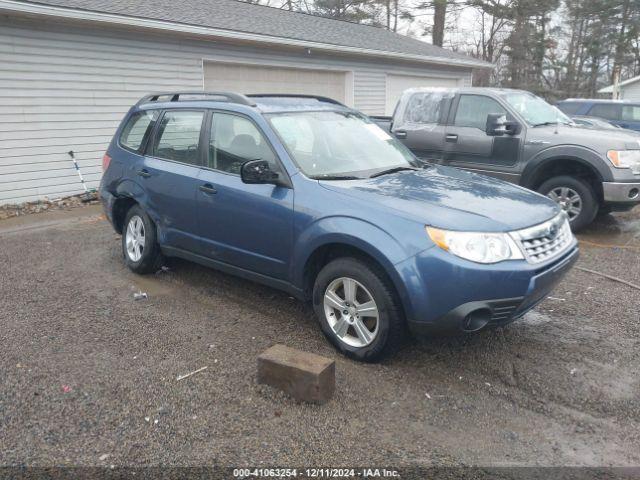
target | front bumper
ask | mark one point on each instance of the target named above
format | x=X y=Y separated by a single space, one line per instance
x=619 y=192
x=472 y=297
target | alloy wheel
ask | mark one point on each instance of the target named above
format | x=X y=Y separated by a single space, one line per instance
x=351 y=312
x=135 y=238
x=568 y=199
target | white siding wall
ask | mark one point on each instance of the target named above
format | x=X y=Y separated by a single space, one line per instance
x=631 y=91
x=65 y=87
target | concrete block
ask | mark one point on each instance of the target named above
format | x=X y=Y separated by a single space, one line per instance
x=305 y=376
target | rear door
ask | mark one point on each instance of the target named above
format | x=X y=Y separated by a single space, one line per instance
x=169 y=175
x=468 y=146
x=419 y=124
x=247 y=226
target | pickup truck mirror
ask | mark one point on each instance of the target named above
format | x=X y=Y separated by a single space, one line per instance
x=498 y=125
x=258 y=171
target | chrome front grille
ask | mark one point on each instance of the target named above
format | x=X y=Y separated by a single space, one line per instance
x=545 y=241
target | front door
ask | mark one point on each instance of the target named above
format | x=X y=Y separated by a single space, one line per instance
x=468 y=146
x=247 y=226
x=169 y=175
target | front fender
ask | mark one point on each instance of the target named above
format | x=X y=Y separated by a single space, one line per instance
x=353 y=232
x=589 y=158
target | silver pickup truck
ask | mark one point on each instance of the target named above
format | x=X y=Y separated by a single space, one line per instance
x=516 y=136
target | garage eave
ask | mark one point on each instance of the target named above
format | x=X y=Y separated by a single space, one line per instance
x=35 y=9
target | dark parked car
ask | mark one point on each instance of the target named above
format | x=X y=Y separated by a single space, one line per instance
x=516 y=136
x=311 y=197
x=624 y=114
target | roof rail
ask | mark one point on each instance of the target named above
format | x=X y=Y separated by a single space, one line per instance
x=293 y=95
x=230 y=97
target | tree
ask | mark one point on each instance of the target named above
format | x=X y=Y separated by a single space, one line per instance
x=439 y=18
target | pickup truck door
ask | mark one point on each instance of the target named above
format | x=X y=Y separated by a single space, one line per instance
x=418 y=125
x=468 y=146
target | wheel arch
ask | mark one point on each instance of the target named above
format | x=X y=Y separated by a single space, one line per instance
x=336 y=237
x=575 y=166
x=128 y=194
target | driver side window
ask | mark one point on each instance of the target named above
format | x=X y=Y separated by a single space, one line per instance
x=235 y=140
x=473 y=110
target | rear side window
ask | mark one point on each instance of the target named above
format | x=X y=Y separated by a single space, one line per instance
x=135 y=132
x=424 y=108
x=570 y=108
x=605 y=110
x=473 y=110
x=631 y=113
x=178 y=136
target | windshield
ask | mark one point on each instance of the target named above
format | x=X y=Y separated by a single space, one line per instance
x=339 y=144
x=534 y=109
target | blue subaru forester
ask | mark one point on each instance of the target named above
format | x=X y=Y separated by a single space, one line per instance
x=309 y=196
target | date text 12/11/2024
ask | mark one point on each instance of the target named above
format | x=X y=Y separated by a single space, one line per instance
x=315 y=473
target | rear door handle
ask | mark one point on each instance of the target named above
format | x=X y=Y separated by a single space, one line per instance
x=400 y=134
x=144 y=173
x=451 y=138
x=208 y=189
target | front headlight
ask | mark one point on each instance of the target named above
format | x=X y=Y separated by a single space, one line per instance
x=625 y=159
x=477 y=247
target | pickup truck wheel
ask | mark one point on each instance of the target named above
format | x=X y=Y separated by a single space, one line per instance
x=358 y=309
x=575 y=197
x=139 y=242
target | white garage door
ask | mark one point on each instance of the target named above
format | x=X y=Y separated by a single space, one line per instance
x=396 y=84
x=261 y=79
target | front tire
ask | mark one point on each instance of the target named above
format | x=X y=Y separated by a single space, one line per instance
x=139 y=242
x=358 y=309
x=576 y=198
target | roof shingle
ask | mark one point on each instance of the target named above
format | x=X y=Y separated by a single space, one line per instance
x=237 y=16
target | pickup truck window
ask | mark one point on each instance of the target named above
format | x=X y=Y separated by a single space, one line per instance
x=473 y=110
x=332 y=144
x=424 y=108
x=534 y=109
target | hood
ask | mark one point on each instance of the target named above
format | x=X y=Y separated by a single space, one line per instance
x=451 y=199
x=597 y=139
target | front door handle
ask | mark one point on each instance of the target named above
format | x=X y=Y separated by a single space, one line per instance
x=144 y=173
x=208 y=189
x=451 y=138
x=400 y=134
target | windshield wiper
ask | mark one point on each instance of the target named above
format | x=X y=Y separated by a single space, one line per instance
x=336 y=177
x=391 y=170
x=551 y=123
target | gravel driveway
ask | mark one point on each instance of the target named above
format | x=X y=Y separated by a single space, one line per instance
x=89 y=374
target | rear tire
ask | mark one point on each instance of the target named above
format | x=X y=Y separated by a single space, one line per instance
x=139 y=242
x=347 y=319
x=575 y=196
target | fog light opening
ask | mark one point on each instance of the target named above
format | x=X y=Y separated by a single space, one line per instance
x=633 y=193
x=476 y=320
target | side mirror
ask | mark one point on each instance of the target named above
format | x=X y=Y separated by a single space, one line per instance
x=258 y=171
x=498 y=125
